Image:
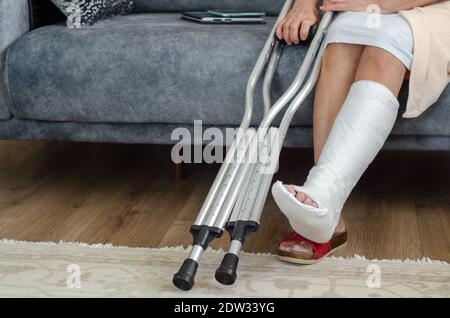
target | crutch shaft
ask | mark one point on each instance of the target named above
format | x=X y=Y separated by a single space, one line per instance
x=270 y=72
x=254 y=76
x=244 y=221
x=233 y=177
x=264 y=180
x=227 y=271
x=290 y=92
x=238 y=183
x=260 y=63
x=309 y=85
x=228 y=170
x=244 y=210
x=283 y=101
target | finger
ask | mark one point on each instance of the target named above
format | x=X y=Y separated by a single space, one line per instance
x=304 y=30
x=329 y=2
x=339 y=6
x=280 y=29
x=286 y=32
x=294 y=27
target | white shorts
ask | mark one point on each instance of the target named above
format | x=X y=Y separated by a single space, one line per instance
x=387 y=31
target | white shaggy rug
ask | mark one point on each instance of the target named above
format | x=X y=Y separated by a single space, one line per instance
x=80 y=270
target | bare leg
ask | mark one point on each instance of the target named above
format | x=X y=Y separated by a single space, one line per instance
x=337 y=74
x=381 y=66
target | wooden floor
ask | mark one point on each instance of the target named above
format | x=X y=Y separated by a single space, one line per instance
x=124 y=195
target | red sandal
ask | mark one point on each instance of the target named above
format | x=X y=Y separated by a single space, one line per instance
x=319 y=250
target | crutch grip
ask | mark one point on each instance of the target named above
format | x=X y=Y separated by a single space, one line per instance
x=226 y=273
x=311 y=34
x=184 y=279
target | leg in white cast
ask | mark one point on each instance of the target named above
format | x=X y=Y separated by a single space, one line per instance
x=359 y=131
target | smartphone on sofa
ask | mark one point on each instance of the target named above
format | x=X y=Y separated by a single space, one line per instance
x=206 y=18
x=230 y=13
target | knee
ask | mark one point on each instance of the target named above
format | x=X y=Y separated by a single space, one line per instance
x=381 y=66
x=339 y=54
x=378 y=58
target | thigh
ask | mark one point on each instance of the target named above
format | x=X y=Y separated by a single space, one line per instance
x=342 y=56
x=339 y=64
x=377 y=64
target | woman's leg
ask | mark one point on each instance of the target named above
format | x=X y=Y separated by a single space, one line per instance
x=359 y=132
x=336 y=77
x=337 y=74
x=380 y=66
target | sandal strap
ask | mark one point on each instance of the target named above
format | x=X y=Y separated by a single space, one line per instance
x=319 y=249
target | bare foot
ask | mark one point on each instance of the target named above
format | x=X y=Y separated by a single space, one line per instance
x=302 y=247
x=302 y=197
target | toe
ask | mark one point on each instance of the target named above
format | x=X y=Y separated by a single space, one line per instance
x=308 y=201
x=301 y=248
x=301 y=197
x=286 y=246
x=291 y=189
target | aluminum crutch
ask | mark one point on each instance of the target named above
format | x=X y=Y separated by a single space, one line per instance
x=204 y=229
x=239 y=181
x=246 y=216
x=233 y=175
x=247 y=211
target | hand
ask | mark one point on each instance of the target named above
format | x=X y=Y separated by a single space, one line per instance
x=349 y=5
x=295 y=26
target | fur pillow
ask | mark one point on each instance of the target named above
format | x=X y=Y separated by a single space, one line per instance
x=87 y=12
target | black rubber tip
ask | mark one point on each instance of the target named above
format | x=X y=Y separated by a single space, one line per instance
x=184 y=279
x=226 y=273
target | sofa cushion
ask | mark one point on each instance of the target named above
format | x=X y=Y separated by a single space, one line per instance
x=138 y=68
x=156 y=68
x=271 y=7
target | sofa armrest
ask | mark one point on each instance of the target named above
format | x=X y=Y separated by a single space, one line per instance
x=14 y=22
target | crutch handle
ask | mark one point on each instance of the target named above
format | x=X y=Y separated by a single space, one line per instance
x=226 y=273
x=312 y=32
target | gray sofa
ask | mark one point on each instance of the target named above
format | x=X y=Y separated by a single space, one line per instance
x=134 y=78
